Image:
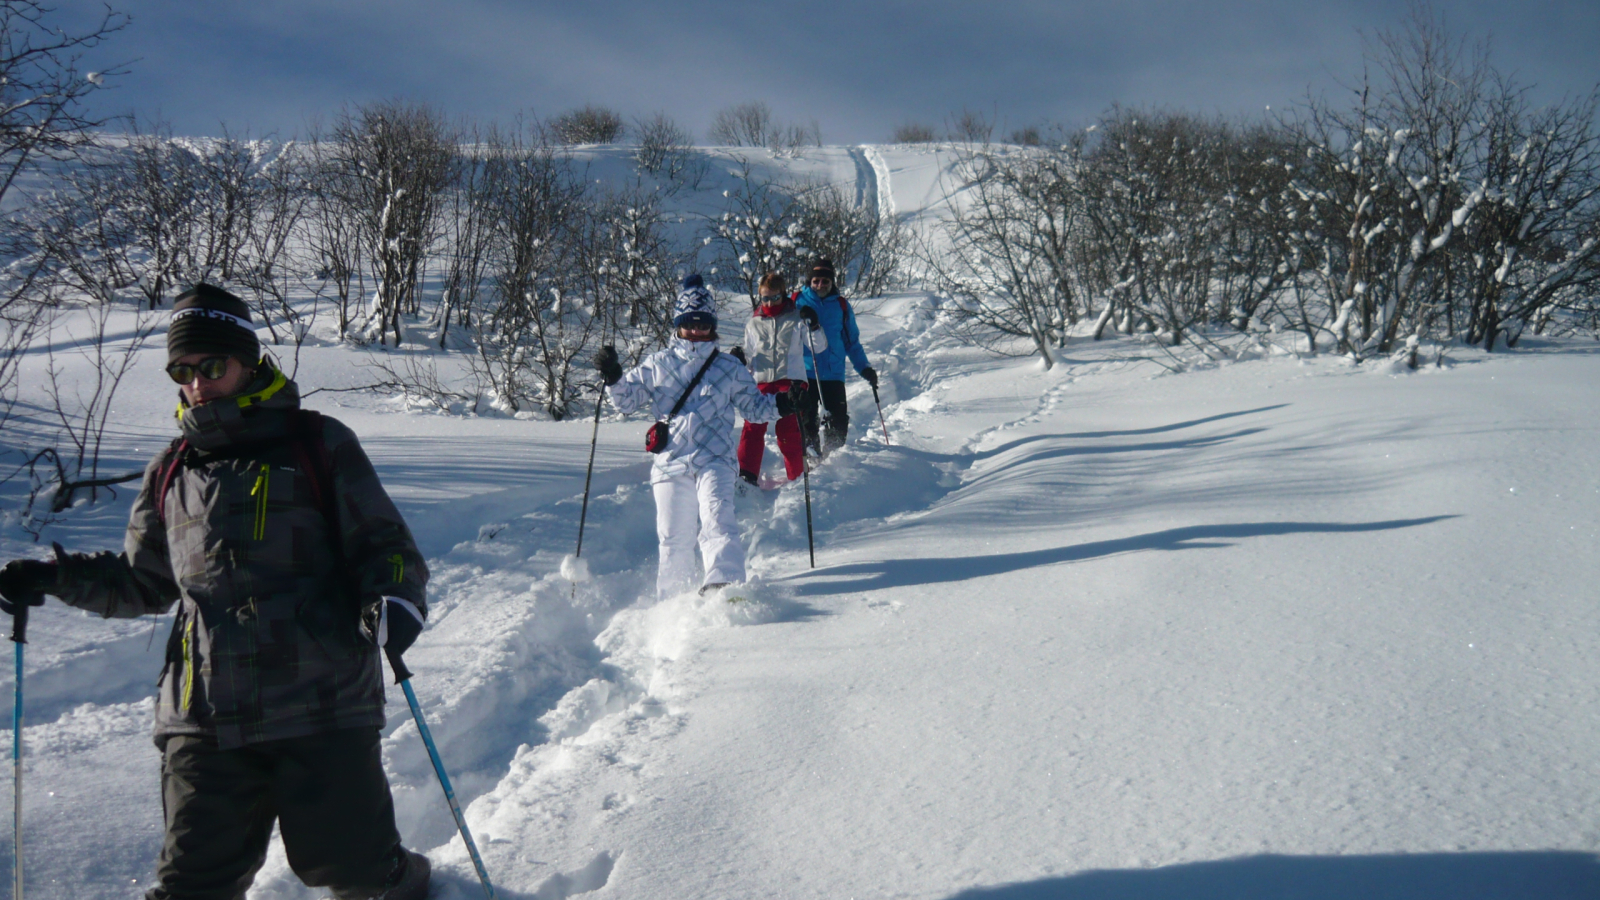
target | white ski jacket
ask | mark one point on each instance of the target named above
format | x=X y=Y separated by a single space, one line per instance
x=776 y=345
x=702 y=433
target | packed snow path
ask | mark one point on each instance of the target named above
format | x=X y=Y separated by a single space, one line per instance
x=1263 y=628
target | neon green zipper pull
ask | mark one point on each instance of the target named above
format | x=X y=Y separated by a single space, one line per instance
x=260 y=493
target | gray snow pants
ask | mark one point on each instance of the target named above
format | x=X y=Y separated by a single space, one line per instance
x=327 y=792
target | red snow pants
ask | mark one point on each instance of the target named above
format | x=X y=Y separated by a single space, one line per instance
x=753 y=440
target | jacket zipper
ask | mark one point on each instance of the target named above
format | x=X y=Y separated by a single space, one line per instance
x=260 y=493
x=188 y=668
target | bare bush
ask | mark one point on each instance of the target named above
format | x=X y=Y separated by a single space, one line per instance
x=588 y=125
x=1028 y=136
x=913 y=133
x=743 y=125
x=970 y=126
x=665 y=150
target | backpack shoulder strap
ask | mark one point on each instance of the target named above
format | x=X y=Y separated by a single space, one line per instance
x=311 y=446
x=174 y=455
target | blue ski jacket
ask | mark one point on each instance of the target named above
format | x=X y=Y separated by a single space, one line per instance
x=844 y=338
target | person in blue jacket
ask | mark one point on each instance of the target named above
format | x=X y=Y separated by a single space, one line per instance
x=838 y=322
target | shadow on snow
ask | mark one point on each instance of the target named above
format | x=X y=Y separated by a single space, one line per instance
x=1547 y=875
x=919 y=571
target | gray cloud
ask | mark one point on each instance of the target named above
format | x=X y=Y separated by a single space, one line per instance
x=857 y=68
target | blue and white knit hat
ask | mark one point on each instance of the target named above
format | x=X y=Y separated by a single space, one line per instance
x=694 y=304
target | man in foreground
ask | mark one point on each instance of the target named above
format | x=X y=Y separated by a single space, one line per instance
x=292 y=571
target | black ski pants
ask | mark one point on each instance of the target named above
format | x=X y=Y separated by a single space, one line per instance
x=837 y=407
x=327 y=792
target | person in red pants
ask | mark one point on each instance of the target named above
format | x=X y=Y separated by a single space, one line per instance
x=775 y=343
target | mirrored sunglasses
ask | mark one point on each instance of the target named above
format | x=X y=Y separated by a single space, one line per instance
x=212 y=367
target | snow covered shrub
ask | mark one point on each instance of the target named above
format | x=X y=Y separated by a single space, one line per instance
x=388 y=166
x=1439 y=202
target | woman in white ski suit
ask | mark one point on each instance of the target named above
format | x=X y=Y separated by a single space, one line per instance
x=693 y=478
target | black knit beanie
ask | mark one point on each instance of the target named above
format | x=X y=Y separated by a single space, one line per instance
x=208 y=319
x=822 y=268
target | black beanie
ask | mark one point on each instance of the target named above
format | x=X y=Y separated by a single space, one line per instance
x=822 y=268
x=208 y=319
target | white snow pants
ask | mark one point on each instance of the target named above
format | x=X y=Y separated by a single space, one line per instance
x=690 y=507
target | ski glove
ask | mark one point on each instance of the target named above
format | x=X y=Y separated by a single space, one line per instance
x=392 y=623
x=788 y=403
x=23 y=582
x=810 y=315
x=871 y=375
x=610 y=367
x=738 y=353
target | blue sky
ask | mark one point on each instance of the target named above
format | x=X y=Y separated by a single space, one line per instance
x=858 y=69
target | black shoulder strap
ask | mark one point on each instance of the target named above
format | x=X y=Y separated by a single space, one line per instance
x=684 y=397
x=174 y=462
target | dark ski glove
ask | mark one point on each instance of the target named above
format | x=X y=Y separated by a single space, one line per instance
x=810 y=315
x=610 y=367
x=392 y=623
x=788 y=403
x=871 y=375
x=738 y=353
x=23 y=582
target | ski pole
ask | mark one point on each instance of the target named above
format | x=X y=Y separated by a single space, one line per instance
x=880 y=411
x=811 y=545
x=594 y=438
x=402 y=677
x=19 y=636
x=821 y=418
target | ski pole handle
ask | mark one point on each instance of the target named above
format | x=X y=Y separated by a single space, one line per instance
x=401 y=673
x=19 y=621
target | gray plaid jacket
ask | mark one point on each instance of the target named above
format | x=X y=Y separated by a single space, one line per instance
x=268 y=582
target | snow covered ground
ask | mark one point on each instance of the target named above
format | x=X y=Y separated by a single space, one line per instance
x=1273 y=627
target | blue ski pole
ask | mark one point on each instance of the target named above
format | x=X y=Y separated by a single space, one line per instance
x=402 y=677
x=19 y=636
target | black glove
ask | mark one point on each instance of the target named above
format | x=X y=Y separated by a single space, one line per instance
x=609 y=366
x=810 y=315
x=392 y=623
x=871 y=375
x=788 y=405
x=796 y=388
x=738 y=353
x=23 y=582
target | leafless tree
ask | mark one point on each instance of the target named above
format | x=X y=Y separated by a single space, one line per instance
x=398 y=160
x=665 y=151
x=43 y=91
x=970 y=126
x=534 y=327
x=743 y=125
x=1012 y=241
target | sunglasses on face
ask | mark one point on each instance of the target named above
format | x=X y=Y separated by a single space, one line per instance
x=212 y=368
